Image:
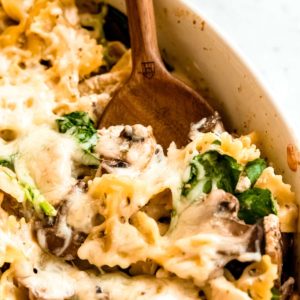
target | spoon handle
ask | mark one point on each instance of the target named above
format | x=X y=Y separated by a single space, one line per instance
x=146 y=59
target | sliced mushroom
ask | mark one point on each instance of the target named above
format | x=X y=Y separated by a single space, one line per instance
x=13 y=207
x=217 y=215
x=110 y=164
x=77 y=215
x=212 y=123
x=58 y=237
x=125 y=147
x=273 y=240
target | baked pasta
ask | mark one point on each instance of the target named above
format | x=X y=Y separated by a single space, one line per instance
x=91 y=213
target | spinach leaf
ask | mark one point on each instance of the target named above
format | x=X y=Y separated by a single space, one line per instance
x=81 y=127
x=255 y=204
x=275 y=294
x=7 y=162
x=31 y=192
x=37 y=200
x=216 y=142
x=212 y=170
x=254 y=169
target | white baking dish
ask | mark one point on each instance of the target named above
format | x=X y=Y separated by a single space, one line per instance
x=194 y=45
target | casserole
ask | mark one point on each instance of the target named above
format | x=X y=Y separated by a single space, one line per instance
x=106 y=206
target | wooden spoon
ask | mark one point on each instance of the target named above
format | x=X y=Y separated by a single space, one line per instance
x=152 y=96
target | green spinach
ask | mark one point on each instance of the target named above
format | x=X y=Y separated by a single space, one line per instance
x=79 y=125
x=212 y=170
x=255 y=204
x=254 y=169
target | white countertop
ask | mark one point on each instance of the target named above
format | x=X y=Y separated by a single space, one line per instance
x=268 y=34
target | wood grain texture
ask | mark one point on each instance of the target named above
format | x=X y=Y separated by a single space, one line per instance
x=152 y=96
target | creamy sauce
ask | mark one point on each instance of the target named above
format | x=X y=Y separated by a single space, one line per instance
x=46 y=156
x=81 y=210
x=106 y=221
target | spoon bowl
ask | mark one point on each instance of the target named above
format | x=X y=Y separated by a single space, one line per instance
x=152 y=96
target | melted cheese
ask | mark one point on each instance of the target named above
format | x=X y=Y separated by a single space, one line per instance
x=220 y=288
x=48 y=63
x=81 y=211
x=46 y=156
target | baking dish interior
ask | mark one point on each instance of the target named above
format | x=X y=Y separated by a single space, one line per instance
x=194 y=46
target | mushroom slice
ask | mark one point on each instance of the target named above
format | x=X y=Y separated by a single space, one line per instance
x=76 y=216
x=210 y=232
x=58 y=237
x=273 y=241
x=217 y=215
x=13 y=207
x=212 y=123
x=125 y=147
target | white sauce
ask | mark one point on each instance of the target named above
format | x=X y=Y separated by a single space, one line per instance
x=46 y=156
x=81 y=210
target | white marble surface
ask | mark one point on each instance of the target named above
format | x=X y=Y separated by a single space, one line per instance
x=268 y=34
